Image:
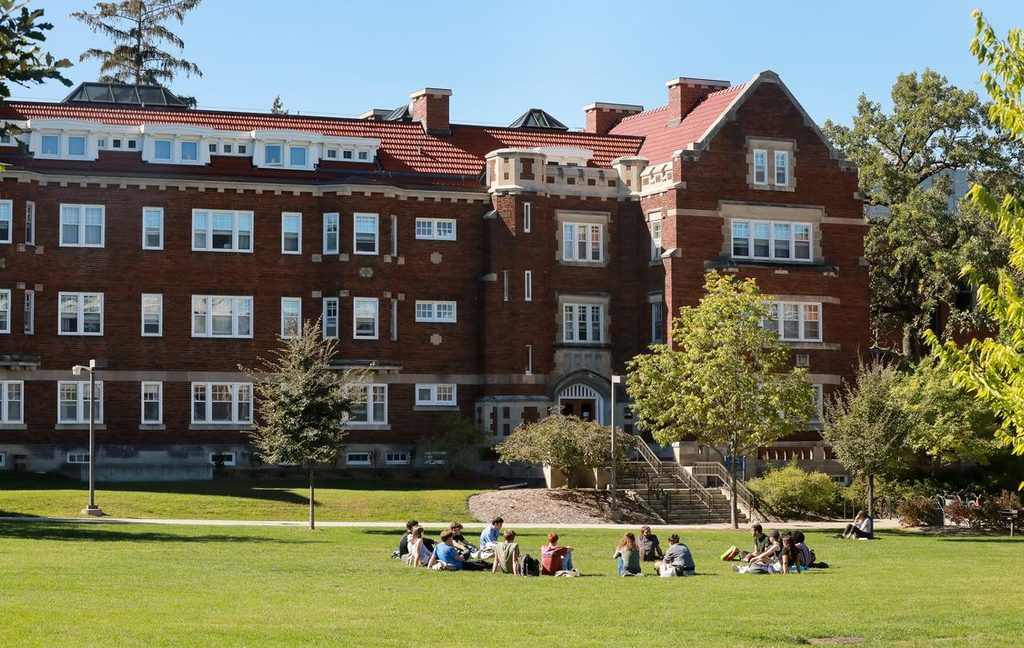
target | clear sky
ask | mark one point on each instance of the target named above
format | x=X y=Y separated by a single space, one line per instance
x=341 y=57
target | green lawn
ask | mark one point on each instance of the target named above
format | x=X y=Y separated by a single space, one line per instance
x=148 y=585
x=230 y=499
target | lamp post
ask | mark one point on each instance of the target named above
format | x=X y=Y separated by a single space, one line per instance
x=616 y=380
x=77 y=370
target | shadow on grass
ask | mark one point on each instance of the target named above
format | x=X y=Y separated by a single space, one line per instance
x=97 y=533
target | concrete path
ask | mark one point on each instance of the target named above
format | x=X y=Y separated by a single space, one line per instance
x=879 y=524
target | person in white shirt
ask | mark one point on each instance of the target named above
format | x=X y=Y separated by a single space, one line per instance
x=862 y=527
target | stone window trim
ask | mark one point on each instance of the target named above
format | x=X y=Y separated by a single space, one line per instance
x=775 y=213
x=771 y=146
x=596 y=299
x=584 y=217
x=655 y=225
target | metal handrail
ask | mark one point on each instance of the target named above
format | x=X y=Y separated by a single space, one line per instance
x=674 y=470
x=715 y=469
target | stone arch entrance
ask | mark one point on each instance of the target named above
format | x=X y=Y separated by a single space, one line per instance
x=584 y=394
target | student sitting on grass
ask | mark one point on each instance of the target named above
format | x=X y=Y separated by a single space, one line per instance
x=627 y=556
x=807 y=556
x=771 y=551
x=506 y=555
x=761 y=543
x=650 y=547
x=861 y=528
x=467 y=550
x=555 y=558
x=490 y=535
x=403 y=544
x=445 y=556
x=419 y=553
x=789 y=556
x=678 y=559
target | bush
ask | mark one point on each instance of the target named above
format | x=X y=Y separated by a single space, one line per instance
x=790 y=492
x=917 y=510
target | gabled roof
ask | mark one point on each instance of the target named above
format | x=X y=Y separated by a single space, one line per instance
x=537 y=118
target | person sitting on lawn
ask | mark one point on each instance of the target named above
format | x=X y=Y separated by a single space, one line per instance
x=627 y=556
x=490 y=535
x=403 y=543
x=446 y=554
x=789 y=556
x=419 y=552
x=807 y=556
x=761 y=542
x=555 y=558
x=650 y=547
x=465 y=548
x=678 y=559
x=506 y=555
x=862 y=527
x=772 y=549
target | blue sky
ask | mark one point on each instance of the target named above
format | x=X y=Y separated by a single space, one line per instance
x=338 y=57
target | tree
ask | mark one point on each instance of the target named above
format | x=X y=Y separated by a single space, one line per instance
x=919 y=239
x=564 y=443
x=277 y=108
x=867 y=426
x=458 y=439
x=727 y=381
x=22 y=60
x=993 y=368
x=137 y=29
x=303 y=403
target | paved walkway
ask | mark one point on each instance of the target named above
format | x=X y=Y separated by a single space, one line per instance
x=879 y=524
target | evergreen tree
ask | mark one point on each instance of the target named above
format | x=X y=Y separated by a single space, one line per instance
x=141 y=40
x=22 y=60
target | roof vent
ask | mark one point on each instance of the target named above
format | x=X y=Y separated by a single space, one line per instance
x=124 y=94
x=537 y=118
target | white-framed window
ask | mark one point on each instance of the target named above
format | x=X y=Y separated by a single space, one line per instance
x=221 y=403
x=373 y=409
x=76 y=146
x=332 y=232
x=760 y=166
x=583 y=323
x=73 y=402
x=297 y=156
x=273 y=154
x=771 y=240
x=435 y=458
x=189 y=151
x=583 y=242
x=80 y=313
x=357 y=459
x=152 y=228
x=30 y=312
x=329 y=320
x=656 y=238
x=435 y=229
x=818 y=399
x=5 y=311
x=527 y=217
x=365 y=234
x=365 y=318
x=657 y=320
x=396 y=458
x=63 y=146
x=291 y=233
x=30 y=222
x=795 y=321
x=49 y=146
x=221 y=316
x=436 y=311
x=223 y=458
x=842 y=480
x=506 y=292
x=163 y=150
x=6 y=221
x=394 y=319
x=528 y=285
x=152 y=403
x=782 y=168
x=77 y=457
x=394 y=235
x=152 y=315
x=441 y=394
x=82 y=225
x=12 y=401
x=291 y=317
x=221 y=230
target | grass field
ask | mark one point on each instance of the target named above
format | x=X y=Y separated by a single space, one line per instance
x=230 y=499
x=147 y=585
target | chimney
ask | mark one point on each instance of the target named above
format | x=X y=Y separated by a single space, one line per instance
x=684 y=94
x=602 y=117
x=430 y=108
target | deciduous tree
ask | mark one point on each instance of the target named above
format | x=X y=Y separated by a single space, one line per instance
x=22 y=59
x=726 y=381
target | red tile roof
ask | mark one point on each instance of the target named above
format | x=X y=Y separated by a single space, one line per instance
x=660 y=140
x=404 y=147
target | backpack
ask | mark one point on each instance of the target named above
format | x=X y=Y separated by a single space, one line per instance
x=530 y=566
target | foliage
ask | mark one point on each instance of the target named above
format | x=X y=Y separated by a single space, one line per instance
x=917 y=510
x=919 y=240
x=140 y=37
x=277 y=108
x=459 y=439
x=993 y=368
x=790 y=492
x=22 y=60
x=565 y=443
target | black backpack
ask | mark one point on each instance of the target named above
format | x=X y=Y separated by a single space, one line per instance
x=530 y=566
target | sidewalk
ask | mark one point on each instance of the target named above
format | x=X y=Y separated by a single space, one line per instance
x=879 y=524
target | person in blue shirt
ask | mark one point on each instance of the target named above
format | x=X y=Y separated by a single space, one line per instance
x=446 y=553
x=490 y=535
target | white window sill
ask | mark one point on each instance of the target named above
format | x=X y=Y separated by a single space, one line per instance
x=221 y=250
x=152 y=426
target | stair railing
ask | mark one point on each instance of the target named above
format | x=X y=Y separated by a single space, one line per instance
x=673 y=469
x=650 y=472
x=743 y=494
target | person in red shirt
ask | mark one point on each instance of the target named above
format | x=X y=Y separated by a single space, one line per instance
x=555 y=558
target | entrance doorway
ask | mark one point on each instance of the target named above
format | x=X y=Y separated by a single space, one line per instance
x=582 y=401
x=584 y=408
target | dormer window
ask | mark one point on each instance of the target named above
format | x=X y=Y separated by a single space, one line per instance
x=115 y=143
x=272 y=154
x=49 y=145
x=332 y=154
x=227 y=148
x=346 y=155
x=362 y=155
x=242 y=149
x=76 y=146
x=133 y=144
x=297 y=156
x=162 y=150
x=189 y=151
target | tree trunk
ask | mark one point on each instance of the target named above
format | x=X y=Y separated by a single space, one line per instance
x=733 y=515
x=312 y=494
x=871 y=497
x=906 y=342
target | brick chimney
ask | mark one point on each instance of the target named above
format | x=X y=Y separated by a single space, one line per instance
x=430 y=108
x=602 y=117
x=684 y=94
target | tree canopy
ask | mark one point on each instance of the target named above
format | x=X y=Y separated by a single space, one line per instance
x=22 y=59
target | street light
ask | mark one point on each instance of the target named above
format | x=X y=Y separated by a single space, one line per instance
x=77 y=370
x=616 y=380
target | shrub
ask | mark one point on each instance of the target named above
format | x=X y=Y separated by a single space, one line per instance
x=959 y=513
x=917 y=510
x=459 y=439
x=791 y=492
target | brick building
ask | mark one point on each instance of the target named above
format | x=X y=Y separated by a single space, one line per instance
x=495 y=272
